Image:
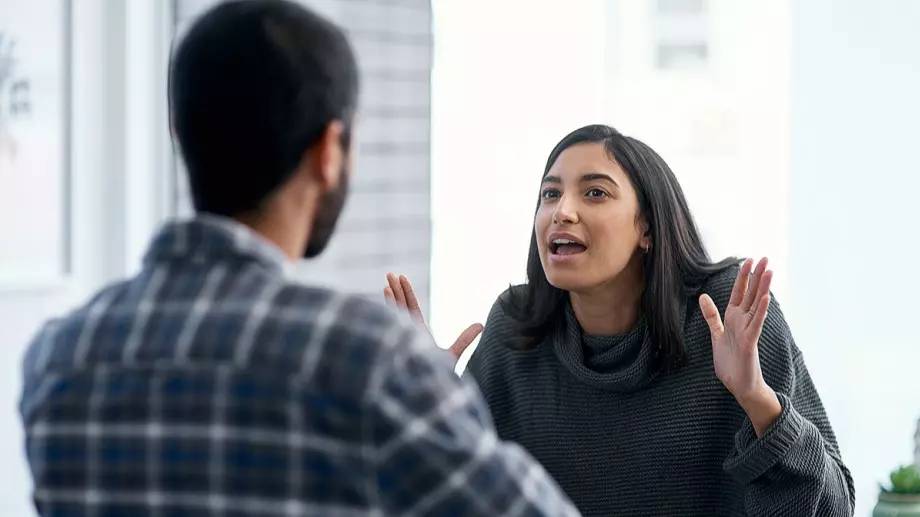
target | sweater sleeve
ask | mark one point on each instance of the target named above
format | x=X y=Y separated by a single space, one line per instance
x=795 y=468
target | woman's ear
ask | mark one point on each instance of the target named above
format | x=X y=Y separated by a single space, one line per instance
x=645 y=237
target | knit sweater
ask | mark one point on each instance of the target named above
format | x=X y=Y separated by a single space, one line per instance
x=623 y=440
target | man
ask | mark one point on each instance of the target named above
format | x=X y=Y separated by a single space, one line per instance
x=210 y=384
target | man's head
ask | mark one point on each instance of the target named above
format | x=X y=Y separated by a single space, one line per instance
x=262 y=100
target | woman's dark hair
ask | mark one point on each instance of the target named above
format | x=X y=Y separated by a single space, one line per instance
x=675 y=267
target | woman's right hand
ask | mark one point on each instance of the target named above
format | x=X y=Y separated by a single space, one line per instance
x=399 y=293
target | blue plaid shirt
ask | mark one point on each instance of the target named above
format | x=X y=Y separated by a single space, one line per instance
x=211 y=385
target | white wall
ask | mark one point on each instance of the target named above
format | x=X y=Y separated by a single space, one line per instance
x=510 y=79
x=117 y=137
x=854 y=237
x=722 y=128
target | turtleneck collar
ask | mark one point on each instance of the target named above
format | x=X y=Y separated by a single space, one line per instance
x=623 y=362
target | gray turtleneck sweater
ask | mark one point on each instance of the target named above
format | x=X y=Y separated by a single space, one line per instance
x=622 y=440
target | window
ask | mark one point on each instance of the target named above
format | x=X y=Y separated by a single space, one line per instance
x=681 y=34
x=673 y=56
x=682 y=7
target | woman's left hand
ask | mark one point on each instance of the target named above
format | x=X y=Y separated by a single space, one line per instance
x=734 y=343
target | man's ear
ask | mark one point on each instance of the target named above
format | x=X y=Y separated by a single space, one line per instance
x=328 y=157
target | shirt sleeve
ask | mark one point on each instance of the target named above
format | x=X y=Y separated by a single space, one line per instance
x=433 y=446
x=795 y=468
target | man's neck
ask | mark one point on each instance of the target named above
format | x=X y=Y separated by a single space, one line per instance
x=289 y=234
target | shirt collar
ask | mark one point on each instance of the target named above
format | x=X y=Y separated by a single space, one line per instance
x=209 y=237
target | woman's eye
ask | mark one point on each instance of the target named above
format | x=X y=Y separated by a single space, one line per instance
x=596 y=193
x=549 y=193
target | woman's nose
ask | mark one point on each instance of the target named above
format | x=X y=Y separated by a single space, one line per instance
x=566 y=212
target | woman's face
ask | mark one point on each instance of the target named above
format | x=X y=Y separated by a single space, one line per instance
x=586 y=225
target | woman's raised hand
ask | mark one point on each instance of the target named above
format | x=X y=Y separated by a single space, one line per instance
x=399 y=292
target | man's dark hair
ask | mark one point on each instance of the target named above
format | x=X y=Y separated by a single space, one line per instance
x=253 y=85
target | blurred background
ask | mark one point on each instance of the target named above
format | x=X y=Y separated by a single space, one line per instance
x=791 y=125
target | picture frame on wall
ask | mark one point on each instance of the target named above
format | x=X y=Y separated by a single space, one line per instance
x=35 y=173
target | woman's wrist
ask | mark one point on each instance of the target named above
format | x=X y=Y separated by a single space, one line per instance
x=762 y=407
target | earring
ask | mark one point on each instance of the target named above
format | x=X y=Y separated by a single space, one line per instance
x=647 y=248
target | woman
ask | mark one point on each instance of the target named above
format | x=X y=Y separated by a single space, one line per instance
x=647 y=379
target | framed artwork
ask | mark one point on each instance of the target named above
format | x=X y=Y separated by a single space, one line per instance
x=35 y=89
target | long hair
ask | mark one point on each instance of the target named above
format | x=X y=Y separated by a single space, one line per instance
x=674 y=268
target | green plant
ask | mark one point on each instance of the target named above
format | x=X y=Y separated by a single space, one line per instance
x=905 y=480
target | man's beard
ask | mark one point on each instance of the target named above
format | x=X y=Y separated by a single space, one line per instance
x=327 y=216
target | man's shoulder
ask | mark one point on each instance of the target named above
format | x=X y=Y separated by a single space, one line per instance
x=299 y=326
x=340 y=312
x=254 y=321
x=332 y=337
x=55 y=344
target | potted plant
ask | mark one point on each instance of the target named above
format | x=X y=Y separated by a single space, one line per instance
x=903 y=498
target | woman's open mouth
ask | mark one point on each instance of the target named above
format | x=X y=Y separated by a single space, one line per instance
x=564 y=247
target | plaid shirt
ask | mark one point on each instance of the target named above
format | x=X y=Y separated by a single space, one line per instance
x=211 y=385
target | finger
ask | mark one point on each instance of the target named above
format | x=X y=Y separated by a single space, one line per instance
x=764 y=288
x=397 y=290
x=388 y=296
x=754 y=288
x=741 y=282
x=411 y=299
x=763 y=303
x=711 y=315
x=463 y=342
